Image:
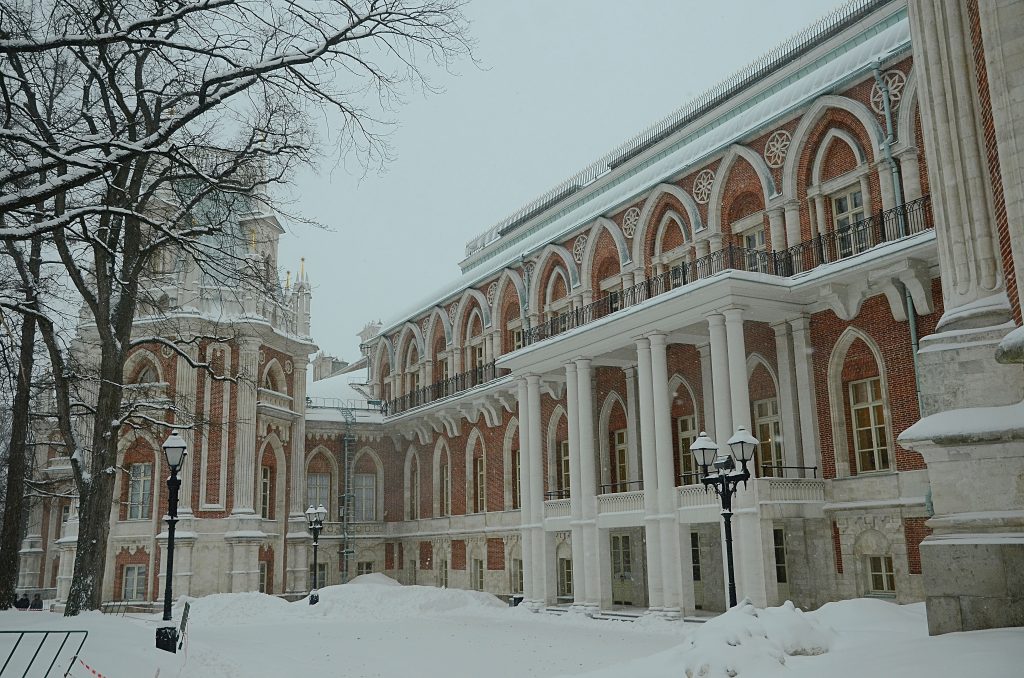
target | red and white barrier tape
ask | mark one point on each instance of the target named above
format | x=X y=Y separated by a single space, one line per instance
x=90 y=669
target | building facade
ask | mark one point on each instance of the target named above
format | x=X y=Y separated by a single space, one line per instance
x=825 y=250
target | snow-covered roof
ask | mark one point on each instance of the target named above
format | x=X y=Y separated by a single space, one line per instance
x=890 y=36
x=339 y=390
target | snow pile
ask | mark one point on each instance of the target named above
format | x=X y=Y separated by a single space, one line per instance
x=380 y=598
x=745 y=641
x=223 y=609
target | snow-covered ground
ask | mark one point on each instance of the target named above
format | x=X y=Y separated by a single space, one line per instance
x=373 y=627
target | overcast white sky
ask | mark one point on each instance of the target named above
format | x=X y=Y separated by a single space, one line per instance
x=561 y=83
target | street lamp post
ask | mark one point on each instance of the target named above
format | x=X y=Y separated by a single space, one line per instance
x=725 y=480
x=315 y=517
x=175 y=451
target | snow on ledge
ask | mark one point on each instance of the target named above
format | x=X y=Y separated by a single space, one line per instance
x=969 y=425
x=1011 y=348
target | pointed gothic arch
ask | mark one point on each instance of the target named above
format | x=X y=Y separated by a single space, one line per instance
x=733 y=154
x=689 y=207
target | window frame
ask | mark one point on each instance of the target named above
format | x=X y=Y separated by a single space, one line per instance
x=476 y=574
x=364 y=498
x=139 y=581
x=479 y=467
x=685 y=436
x=885 y=573
x=140 y=507
x=851 y=238
x=773 y=443
x=779 y=551
x=320 y=499
x=620 y=459
x=266 y=492
x=881 y=451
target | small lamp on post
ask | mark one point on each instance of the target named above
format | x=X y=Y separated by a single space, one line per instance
x=175 y=451
x=315 y=518
x=725 y=480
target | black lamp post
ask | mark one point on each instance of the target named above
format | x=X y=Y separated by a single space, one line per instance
x=725 y=480
x=315 y=517
x=175 y=452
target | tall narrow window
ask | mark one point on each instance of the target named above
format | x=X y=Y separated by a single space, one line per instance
x=867 y=414
x=695 y=555
x=321 y=575
x=318 y=489
x=364 y=567
x=140 y=492
x=768 y=431
x=516 y=576
x=133 y=583
x=848 y=216
x=444 y=496
x=477 y=573
x=779 y=545
x=620 y=459
x=754 y=246
x=563 y=469
x=517 y=339
x=882 y=577
x=479 y=485
x=364 y=489
x=686 y=433
x=263 y=577
x=265 y=484
x=442 y=573
x=414 y=493
x=565 y=578
x=517 y=499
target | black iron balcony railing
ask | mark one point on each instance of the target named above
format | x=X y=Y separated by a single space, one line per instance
x=908 y=219
x=621 y=486
x=440 y=389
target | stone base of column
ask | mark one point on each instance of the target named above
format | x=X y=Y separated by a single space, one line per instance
x=184 y=540
x=973 y=445
x=972 y=579
x=244 y=547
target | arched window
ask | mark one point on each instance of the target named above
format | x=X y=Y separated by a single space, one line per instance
x=148 y=374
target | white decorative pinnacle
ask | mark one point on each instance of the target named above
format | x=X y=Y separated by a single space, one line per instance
x=896 y=81
x=630 y=220
x=702 y=186
x=776 y=147
x=578 y=248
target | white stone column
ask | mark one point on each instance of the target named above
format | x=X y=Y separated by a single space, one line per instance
x=540 y=555
x=245 y=448
x=957 y=168
x=788 y=412
x=707 y=420
x=632 y=445
x=972 y=477
x=579 y=563
x=675 y=603
x=297 y=539
x=649 y=457
x=792 y=223
x=185 y=399
x=911 y=173
x=819 y=214
x=776 y=227
x=588 y=480
x=738 y=383
x=525 y=500
x=720 y=377
x=803 y=358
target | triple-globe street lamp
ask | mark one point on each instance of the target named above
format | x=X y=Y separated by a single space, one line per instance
x=315 y=518
x=725 y=480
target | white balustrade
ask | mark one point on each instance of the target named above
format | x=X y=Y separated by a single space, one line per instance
x=556 y=508
x=620 y=502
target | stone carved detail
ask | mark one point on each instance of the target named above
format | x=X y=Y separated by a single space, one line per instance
x=702 y=186
x=492 y=292
x=288 y=367
x=578 y=248
x=166 y=351
x=630 y=220
x=896 y=81
x=776 y=147
x=452 y=310
x=263 y=356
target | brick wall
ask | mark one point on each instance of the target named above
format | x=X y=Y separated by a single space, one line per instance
x=458 y=554
x=915 y=531
x=495 y=554
x=837 y=548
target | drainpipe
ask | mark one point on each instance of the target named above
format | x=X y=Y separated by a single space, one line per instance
x=897 y=192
